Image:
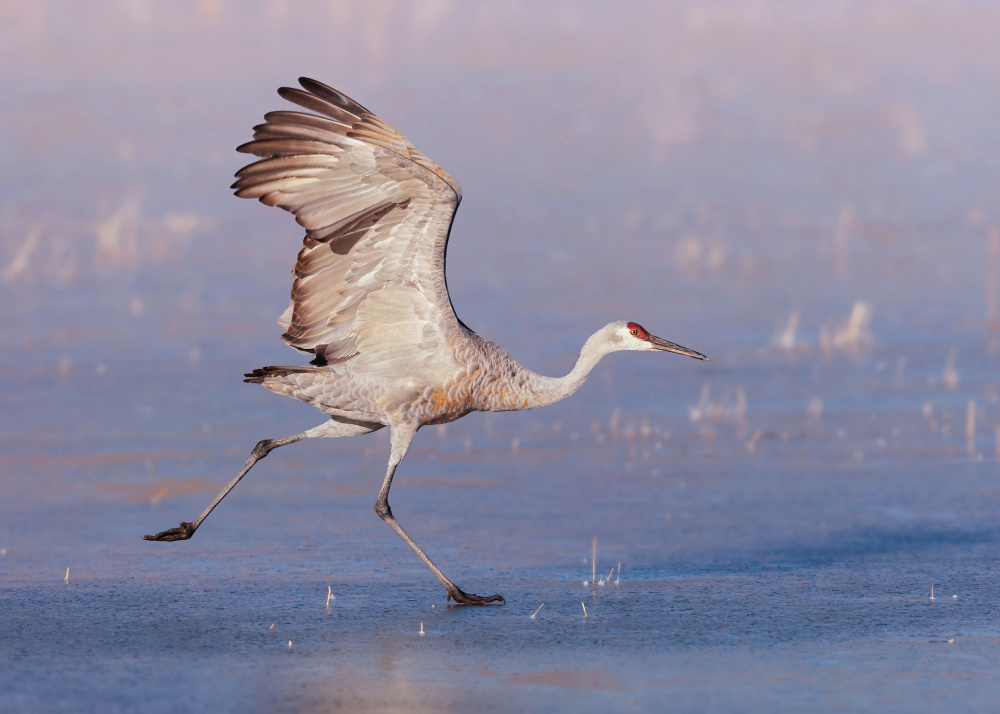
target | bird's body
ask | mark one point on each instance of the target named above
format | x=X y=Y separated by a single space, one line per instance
x=369 y=298
x=478 y=376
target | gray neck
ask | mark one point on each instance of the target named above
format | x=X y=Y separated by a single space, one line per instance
x=548 y=390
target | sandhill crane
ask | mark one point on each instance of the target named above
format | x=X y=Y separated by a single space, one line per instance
x=369 y=300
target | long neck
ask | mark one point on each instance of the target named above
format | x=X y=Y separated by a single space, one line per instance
x=549 y=390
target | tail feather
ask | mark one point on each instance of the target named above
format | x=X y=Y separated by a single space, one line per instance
x=258 y=376
x=318 y=386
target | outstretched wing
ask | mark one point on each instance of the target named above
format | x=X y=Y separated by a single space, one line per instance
x=369 y=281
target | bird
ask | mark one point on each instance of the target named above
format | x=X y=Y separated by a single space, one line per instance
x=369 y=300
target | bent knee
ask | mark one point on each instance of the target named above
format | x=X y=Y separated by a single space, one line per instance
x=263 y=448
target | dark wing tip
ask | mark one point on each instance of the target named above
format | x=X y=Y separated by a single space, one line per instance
x=287 y=92
x=337 y=98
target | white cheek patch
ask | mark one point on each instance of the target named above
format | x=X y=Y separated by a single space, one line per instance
x=633 y=342
x=626 y=337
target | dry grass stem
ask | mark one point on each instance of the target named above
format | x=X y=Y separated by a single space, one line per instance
x=20 y=261
x=949 y=376
x=855 y=334
x=593 y=562
x=784 y=337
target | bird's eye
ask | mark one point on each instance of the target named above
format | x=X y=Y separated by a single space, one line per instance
x=635 y=333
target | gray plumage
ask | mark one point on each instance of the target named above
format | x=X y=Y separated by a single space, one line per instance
x=369 y=299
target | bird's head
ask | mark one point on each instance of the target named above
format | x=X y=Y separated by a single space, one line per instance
x=633 y=336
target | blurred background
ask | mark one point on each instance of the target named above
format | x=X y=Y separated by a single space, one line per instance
x=806 y=192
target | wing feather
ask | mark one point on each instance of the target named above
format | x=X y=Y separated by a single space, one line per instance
x=308 y=100
x=369 y=281
x=287 y=165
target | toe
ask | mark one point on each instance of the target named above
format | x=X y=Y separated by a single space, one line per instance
x=183 y=532
x=464 y=598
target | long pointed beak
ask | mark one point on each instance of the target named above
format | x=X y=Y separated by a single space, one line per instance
x=662 y=344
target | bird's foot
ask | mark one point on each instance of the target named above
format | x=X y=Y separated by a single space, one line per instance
x=464 y=598
x=182 y=532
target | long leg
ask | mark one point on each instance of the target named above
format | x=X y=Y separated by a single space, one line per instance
x=401 y=438
x=263 y=448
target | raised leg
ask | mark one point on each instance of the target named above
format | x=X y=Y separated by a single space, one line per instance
x=401 y=438
x=263 y=448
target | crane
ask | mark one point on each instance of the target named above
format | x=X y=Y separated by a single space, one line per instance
x=369 y=300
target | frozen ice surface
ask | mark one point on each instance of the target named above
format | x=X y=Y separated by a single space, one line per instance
x=804 y=192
